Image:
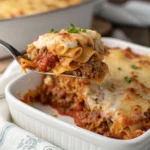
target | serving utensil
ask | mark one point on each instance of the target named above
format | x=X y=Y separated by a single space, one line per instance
x=16 y=55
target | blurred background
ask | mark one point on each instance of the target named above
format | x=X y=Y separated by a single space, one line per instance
x=127 y=20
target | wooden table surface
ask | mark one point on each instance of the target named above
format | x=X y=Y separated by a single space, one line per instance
x=105 y=28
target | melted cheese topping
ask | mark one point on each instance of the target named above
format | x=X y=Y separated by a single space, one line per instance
x=67 y=41
x=119 y=98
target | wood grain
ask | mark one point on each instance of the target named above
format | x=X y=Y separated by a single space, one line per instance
x=102 y=26
x=138 y=35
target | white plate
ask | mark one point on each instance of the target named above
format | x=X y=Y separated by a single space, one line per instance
x=61 y=131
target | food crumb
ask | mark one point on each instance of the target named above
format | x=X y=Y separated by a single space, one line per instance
x=55 y=115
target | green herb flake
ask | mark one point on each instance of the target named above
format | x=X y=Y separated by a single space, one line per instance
x=119 y=68
x=84 y=30
x=73 y=29
x=134 y=67
x=127 y=79
x=53 y=31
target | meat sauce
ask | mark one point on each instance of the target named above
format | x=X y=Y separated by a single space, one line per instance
x=45 y=61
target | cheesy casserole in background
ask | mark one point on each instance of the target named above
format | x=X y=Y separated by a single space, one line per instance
x=16 y=8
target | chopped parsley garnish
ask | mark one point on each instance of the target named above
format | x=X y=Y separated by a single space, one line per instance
x=127 y=79
x=73 y=29
x=119 y=68
x=84 y=30
x=53 y=31
x=134 y=67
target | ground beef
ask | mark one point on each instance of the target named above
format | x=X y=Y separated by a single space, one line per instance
x=92 y=69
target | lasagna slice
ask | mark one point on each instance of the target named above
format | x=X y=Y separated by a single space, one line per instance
x=119 y=107
x=74 y=51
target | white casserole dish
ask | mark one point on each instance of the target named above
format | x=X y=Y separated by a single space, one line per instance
x=61 y=131
x=22 y=30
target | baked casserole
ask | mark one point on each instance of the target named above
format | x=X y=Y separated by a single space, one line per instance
x=117 y=107
x=16 y=8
